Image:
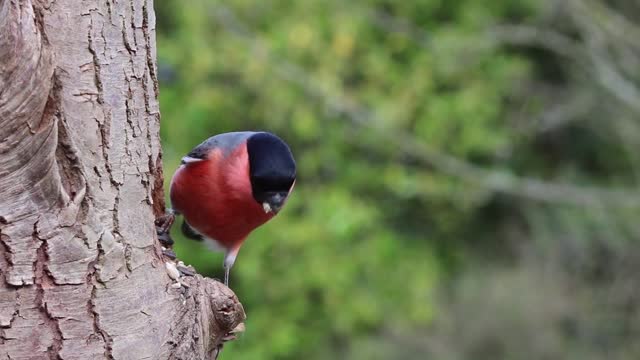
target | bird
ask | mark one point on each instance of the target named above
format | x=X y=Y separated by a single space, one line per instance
x=229 y=185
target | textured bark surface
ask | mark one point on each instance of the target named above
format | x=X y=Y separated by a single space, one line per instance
x=81 y=273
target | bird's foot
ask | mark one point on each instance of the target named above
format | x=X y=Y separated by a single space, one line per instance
x=164 y=222
x=163 y=226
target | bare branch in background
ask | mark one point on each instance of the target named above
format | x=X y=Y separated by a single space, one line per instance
x=598 y=48
x=398 y=25
x=614 y=23
x=589 y=15
x=564 y=113
x=492 y=179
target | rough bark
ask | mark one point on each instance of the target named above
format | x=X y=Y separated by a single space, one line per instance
x=81 y=272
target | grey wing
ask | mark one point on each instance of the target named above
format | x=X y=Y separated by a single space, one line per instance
x=227 y=142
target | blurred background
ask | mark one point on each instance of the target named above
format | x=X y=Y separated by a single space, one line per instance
x=468 y=172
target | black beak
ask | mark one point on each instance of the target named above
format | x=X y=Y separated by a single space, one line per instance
x=274 y=202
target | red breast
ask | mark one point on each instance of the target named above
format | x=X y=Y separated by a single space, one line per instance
x=215 y=197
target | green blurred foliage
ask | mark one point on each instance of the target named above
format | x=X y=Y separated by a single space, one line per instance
x=354 y=251
x=352 y=265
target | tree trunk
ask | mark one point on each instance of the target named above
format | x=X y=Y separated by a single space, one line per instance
x=81 y=272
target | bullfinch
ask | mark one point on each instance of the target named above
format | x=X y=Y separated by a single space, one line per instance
x=229 y=185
